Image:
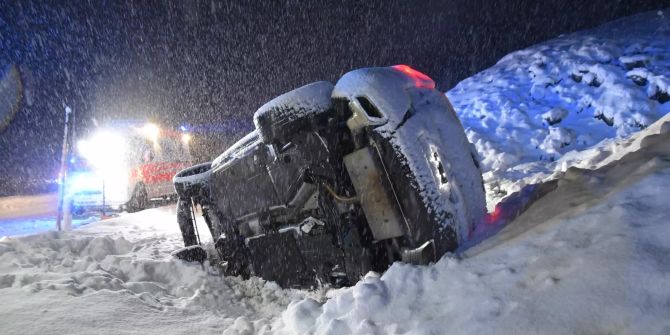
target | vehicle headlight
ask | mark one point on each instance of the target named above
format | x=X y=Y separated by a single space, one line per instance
x=106 y=153
x=151 y=131
x=105 y=150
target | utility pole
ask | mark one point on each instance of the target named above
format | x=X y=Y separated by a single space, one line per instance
x=64 y=219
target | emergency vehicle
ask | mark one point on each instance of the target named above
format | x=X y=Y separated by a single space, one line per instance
x=127 y=167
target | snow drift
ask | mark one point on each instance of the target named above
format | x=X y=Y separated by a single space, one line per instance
x=570 y=93
x=117 y=276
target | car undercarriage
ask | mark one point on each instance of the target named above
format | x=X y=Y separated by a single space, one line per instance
x=338 y=180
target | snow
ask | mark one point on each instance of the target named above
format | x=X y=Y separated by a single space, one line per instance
x=117 y=276
x=538 y=104
x=33 y=225
x=598 y=240
x=589 y=257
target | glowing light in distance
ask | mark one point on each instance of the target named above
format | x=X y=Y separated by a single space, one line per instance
x=151 y=131
x=186 y=138
x=103 y=150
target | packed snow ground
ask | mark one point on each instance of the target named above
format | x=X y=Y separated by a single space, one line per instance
x=117 y=277
x=589 y=257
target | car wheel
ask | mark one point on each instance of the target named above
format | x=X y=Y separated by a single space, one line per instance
x=192 y=181
x=436 y=179
x=293 y=112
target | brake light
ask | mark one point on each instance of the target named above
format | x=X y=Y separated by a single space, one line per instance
x=420 y=79
x=493 y=217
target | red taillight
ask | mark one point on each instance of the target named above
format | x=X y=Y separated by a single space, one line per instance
x=493 y=217
x=420 y=79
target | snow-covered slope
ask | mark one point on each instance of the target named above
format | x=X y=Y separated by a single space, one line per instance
x=566 y=94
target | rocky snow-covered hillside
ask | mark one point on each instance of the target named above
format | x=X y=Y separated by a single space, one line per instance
x=570 y=93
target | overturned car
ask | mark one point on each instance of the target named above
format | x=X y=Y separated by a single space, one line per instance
x=337 y=181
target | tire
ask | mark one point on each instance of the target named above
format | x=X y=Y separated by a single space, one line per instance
x=192 y=181
x=435 y=177
x=140 y=199
x=293 y=112
x=192 y=184
x=185 y=221
x=432 y=170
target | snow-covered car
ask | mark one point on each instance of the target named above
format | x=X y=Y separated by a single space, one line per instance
x=337 y=181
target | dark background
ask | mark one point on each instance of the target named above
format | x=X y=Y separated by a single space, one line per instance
x=212 y=64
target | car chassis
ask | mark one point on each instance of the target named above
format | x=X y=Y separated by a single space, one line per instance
x=337 y=181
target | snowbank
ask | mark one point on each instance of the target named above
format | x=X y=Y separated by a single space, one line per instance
x=117 y=276
x=537 y=104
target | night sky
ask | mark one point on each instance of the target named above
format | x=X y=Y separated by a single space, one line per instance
x=214 y=63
